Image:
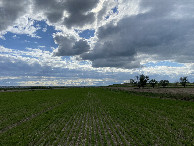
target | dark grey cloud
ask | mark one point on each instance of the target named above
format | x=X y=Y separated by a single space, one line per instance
x=52 y=9
x=69 y=46
x=165 y=31
x=79 y=11
x=11 y=10
x=11 y=66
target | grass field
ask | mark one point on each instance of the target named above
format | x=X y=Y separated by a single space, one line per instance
x=93 y=116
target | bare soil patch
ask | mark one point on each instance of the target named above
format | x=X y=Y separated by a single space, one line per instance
x=178 y=93
x=159 y=90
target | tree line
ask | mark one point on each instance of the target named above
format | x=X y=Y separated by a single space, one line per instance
x=142 y=80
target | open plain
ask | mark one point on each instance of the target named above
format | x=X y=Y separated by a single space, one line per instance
x=93 y=116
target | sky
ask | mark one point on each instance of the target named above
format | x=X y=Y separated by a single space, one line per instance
x=95 y=42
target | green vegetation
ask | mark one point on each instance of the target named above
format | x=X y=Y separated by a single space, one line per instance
x=153 y=82
x=141 y=81
x=96 y=116
x=164 y=83
x=184 y=81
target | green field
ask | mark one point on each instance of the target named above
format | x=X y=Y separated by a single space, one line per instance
x=93 y=116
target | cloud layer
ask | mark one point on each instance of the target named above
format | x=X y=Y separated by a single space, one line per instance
x=10 y=11
x=127 y=35
x=160 y=33
x=69 y=46
x=69 y=12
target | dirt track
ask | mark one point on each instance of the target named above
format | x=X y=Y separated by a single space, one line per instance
x=187 y=91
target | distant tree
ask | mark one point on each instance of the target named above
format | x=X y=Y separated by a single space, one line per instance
x=164 y=83
x=183 y=81
x=141 y=80
x=135 y=81
x=153 y=82
x=132 y=81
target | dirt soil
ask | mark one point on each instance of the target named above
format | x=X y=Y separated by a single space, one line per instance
x=187 y=91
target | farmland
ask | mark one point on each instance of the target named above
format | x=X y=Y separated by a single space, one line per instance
x=96 y=116
x=173 y=93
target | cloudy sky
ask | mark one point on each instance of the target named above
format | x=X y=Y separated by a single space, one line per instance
x=95 y=42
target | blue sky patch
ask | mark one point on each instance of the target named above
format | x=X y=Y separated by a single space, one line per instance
x=115 y=10
x=18 y=41
x=23 y=41
x=46 y=35
x=86 y=34
x=164 y=63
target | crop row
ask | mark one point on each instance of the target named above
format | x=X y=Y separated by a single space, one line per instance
x=94 y=116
